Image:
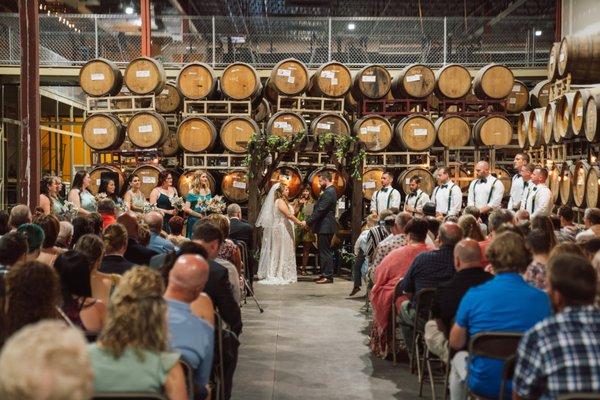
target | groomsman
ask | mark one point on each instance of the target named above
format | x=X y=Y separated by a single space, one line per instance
x=539 y=197
x=387 y=197
x=526 y=172
x=447 y=196
x=417 y=198
x=517 y=188
x=485 y=191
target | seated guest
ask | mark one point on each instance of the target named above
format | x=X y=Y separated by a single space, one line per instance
x=4 y=227
x=591 y=221
x=19 y=215
x=83 y=310
x=376 y=235
x=131 y=354
x=539 y=246
x=157 y=243
x=103 y=285
x=228 y=250
x=560 y=354
x=590 y=248
x=65 y=234
x=391 y=270
x=107 y=210
x=495 y=221
x=190 y=335
x=397 y=238
x=470 y=228
x=447 y=297
x=50 y=225
x=13 y=249
x=35 y=238
x=505 y=303
x=46 y=360
x=144 y=234
x=566 y=247
x=474 y=211
x=176 y=236
x=239 y=230
x=596 y=265
x=568 y=230
x=135 y=253
x=544 y=224
x=81 y=226
x=522 y=215
x=433 y=227
x=361 y=265
x=115 y=242
x=97 y=222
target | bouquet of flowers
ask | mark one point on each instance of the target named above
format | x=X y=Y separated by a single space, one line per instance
x=69 y=210
x=101 y=196
x=148 y=208
x=177 y=202
x=121 y=206
x=216 y=205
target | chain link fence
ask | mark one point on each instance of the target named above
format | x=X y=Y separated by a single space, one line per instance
x=264 y=41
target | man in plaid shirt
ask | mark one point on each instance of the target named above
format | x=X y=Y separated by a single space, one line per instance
x=561 y=354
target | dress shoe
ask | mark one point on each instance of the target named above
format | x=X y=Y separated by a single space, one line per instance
x=318 y=278
x=324 y=280
x=354 y=291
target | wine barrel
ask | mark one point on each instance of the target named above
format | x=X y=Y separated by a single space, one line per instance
x=554 y=182
x=185 y=180
x=332 y=79
x=493 y=81
x=453 y=131
x=236 y=132
x=427 y=179
x=371 y=82
x=580 y=56
x=414 y=80
x=549 y=123
x=463 y=174
x=262 y=111
x=592 y=187
x=145 y=75
x=592 y=127
x=148 y=174
x=493 y=130
x=350 y=103
x=555 y=131
x=240 y=81
x=234 y=186
x=329 y=122
x=269 y=93
x=523 y=129
x=169 y=101
x=518 y=99
x=374 y=131
x=147 y=129
x=553 y=61
x=100 y=77
x=563 y=116
x=103 y=132
x=415 y=133
x=289 y=77
x=292 y=178
x=196 y=81
x=580 y=173
x=339 y=183
x=452 y=81
x=504 y=176
x=578 y=117
x=535 y=128
x=106 y=171
x=539 y=96
x=171 y=147
x=196 y=134
x=371 y=180
x=566 y=186
x=286 y=124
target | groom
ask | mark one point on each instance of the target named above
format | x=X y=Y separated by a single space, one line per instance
x=322 y=222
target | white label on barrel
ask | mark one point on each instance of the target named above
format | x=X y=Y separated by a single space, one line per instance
x=149 y=179
x=420 y=132
x=239 y=128
x=291 y=79
x=562 y=57
x=239 y=185
x=376 y=128
x=100 y=131
x=145 y=128
x=407 y=181
x=98 y=182
x=328 y=74
x=165 y=91
x=512 y=100
x=545 y=91
x=97 y=77
x=142 y=74
x=284 y=72
x=579 y=111
x=363 y=131
x=413 y=78
x=288 y=128
x=334 y=81
x=497 y=133
x=369 y=185
x=369 y=78
x=324 y=125
x=516 y=88
x=280 y=124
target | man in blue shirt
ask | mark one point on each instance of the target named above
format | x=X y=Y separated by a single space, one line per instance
x=157 y=243
x=190 y=335
x=504 y=304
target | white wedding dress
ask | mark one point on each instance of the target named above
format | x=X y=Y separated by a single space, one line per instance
x=277 y=265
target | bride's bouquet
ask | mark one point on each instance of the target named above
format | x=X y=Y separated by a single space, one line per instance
x=216 y=205
x=177 y=202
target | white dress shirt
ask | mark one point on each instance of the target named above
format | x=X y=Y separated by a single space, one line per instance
x=385 y=198
x=516 y=192
x=539 y=200
x=488 y=193
x=447 y=199
x=416 y=201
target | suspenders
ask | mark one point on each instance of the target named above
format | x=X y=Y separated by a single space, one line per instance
x=388 y=200
x=449 y=195
x=489 y=195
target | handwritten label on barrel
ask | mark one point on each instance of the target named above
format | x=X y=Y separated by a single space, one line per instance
x=239 y=185
x=420 y=132
x=369 y=78
x=328 y=74
x=142 y=74
x=369 y=185
x=100 y=131
x=579 y=111
x=97 y=77
x=323 y=125
x=407 y=181
x=334 y=81
x=145 y=128
x=291 y=79
x=413 y=78
x=98 y=181
x=284 y=72
x=374 y=128
x=363 y=131
x=149 y=179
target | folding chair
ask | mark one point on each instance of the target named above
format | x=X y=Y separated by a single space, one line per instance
x=495 y=345
x=127 y=396
x=218 y=375
x=188 y=372
x=424 y=301
x=429 y=359
x=246 y=287
x=394 y=314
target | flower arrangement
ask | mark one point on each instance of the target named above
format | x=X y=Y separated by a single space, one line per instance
x=216 y=205
x=148 y=208
x=101 y=196
x=121 y=206
x=177 y=202
x=69 y=210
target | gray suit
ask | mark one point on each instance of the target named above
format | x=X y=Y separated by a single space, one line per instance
x=322 y=222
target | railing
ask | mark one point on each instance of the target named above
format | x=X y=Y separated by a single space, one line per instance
x=264 y=41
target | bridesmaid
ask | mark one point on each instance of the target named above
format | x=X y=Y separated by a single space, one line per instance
x=58 y=200
x=199 y=193
x=161 y=196
x=49 y=196
x=80 y=195
x=134 y=198
x=108 y=186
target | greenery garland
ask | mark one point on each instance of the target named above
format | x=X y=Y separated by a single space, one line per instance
x=342 y=145
x=262 y=145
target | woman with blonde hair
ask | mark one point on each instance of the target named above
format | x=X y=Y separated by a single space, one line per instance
x=195 y=200
x=470 y=228
x=131 y=353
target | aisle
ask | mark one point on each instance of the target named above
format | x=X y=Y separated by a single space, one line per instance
x=310 y=343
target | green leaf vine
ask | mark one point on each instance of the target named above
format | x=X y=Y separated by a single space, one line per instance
x=262 y=145
x=342 y=146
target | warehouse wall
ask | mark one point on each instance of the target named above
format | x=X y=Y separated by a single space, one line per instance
x=580 y=17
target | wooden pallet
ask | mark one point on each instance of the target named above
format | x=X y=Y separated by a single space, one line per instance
x=395 y=107
x=472 y=107
x=310 y=105
x=121 y=104
x=560 y=87
x=213 y=161
x=308 y=159
x=217 y=108
x=537 y=156
x=399 y=159
x=130 y=157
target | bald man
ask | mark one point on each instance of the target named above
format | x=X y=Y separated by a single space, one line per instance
x=447 y=297
x=154 y=220
x=191 y=336
x=485 y=191
x=135 y=253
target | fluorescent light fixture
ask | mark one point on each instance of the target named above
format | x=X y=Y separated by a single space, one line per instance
x=538 y=33
x=351 y=26
x=128 y=10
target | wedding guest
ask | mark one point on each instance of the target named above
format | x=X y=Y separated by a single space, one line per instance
x=228 y=250
x=538 y=245
x=496 y=220
x=544 y=224
x=103 y=285
x=596 y=265
x=81 y=226
x=176 y=226
x=50 y=225
x=196 y=199
x=144 y=234
x=566 y=248
x=568 y=230
x=157 y=243
x=65 y=234
x=48 y=194
x=474 y=211
x=591 y=221
x=470 y=228
x=303 y=207
x=395 y=240
x=115 y=242
x=97 y=222
x=135 y=253
x=162 y=194
x=106 y=209
x=241 y=231
x=79 y=194
x=522 y=215
x=19 y=215
x=377 y=234
x=361 y=265
x=35 y=239
x=13 y=249
x=590 y=248
x=4 y=227
x=134 y=199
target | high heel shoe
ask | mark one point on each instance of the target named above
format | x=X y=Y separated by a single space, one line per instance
x=303 y=271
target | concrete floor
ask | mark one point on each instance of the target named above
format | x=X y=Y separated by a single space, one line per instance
x=311 y=343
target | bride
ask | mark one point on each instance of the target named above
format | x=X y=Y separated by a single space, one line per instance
x=277 y=265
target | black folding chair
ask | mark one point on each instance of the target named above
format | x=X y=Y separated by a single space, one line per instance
x=128 y=396
x=424 y=301
x=188 y=372
x=432 y=358
x=218 y=374
x=394 y=315
x=247 y=287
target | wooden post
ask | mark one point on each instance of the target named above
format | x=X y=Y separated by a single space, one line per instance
x=29 y=99
x=146 y=27
x=357 y=198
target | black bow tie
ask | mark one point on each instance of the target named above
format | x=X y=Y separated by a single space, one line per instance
x=534 y=188
x=412 y=194
x=384 y=190
x=526 y=184
x=444 y=186
x=483 y=180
